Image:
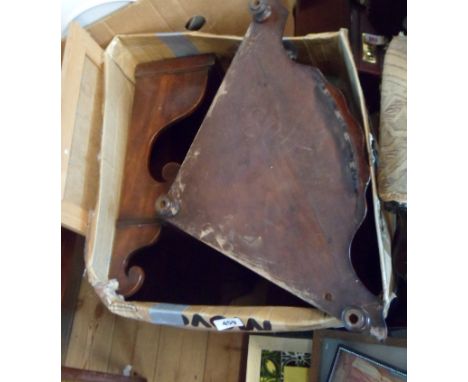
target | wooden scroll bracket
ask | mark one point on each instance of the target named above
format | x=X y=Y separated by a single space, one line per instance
x=171 y=98
x=276 y=177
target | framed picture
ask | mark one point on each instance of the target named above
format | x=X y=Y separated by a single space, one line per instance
x=391 y=352
x=351 y=366
x=278 y=359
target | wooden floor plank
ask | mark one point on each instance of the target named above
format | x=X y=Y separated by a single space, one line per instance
x=123 y=344
x=93 y=325
x=146 y=350
x=223 y=357
x=181 y=355
x=102 y=341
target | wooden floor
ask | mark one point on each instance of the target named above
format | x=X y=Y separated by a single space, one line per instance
x=102 y=341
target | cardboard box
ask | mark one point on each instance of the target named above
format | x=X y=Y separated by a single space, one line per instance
x=144 y=16
x=330 y=52
x=81 y=115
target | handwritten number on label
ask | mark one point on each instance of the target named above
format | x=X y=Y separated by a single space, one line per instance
x=228 y=323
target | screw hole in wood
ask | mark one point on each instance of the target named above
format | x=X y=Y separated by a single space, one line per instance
x=195 y=23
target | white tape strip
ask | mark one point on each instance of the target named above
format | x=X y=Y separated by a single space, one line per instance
x=228 y=323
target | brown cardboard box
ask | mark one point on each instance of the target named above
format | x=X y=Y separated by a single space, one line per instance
x=328 y=51
x=82 y=75
x=145 y=16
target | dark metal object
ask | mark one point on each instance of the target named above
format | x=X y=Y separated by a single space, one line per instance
x=166 y=207
x=260 y=10
x=276 y=176
x=355 y=319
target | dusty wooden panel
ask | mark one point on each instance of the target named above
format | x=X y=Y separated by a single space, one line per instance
x=181 y=355
x=81 y=118
x=223 y=357
x=290 y=161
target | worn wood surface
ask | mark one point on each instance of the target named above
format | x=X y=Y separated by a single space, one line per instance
x=179 y=361
x=223 y=357
x=93 y=328
x=102 y=341
x=291 y=164
x=171 y=98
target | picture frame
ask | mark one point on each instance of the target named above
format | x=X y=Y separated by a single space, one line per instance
x=392 y=351
x=352 y=366
x=261 y=354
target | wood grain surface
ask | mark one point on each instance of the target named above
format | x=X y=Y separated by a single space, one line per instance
x=102 y=341
x=291 y=163
x=171 y=99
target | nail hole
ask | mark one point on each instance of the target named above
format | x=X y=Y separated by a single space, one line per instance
x=353 y=318
x=328 y=296
x=169 y=171
x=166 y=207
x=195 y=23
